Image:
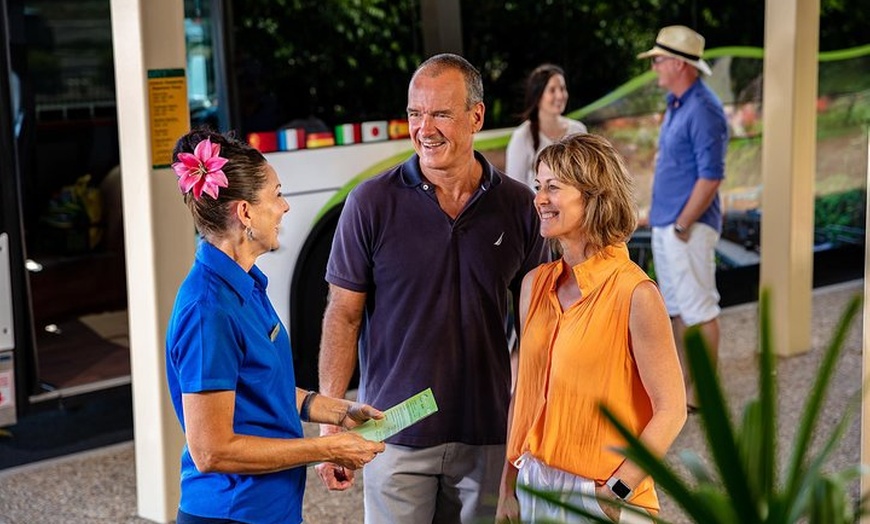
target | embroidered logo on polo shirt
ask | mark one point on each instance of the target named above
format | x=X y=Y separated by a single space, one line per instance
x=500 y=237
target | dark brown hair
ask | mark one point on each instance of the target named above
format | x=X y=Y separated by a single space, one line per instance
x=536 y=83
x=246 y=173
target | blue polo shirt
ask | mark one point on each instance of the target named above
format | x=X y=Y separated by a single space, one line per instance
x=220 y=338
x=437 y=292
x=693 y=141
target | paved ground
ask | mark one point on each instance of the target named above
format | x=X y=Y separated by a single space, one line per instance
x=99 y=486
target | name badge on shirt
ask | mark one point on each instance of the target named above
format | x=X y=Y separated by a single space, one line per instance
x=275 y=330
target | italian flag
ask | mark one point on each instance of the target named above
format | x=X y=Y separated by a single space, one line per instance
x=347 y=134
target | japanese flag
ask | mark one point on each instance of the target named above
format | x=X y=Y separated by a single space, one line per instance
x=374 y=131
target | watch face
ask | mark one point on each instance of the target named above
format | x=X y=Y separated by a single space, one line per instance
x=622 y=491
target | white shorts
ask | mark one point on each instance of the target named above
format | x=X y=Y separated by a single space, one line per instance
x=577 y=491
x=686 y=272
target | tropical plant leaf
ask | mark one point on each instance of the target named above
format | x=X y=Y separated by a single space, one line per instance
x=717 y=428
x=739 y=487
x=766 y=459
x=637 y=452
x=829 y=503
x=696 y=467
x=814 y=402
x=862 y=507
x=556 y=499
x=750 y=442
x=813 y=472
x=715 y=498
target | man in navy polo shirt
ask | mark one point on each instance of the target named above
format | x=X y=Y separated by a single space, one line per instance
x=685 y=214
x=422 y=264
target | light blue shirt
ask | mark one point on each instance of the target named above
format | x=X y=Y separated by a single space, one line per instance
x=692 y=144
x=224 y=335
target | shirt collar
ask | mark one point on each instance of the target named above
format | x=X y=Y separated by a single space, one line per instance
x=230 y=271
x=675 y=102
x=595 y=270
x=412 y=175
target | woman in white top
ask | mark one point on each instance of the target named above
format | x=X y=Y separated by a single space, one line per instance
x=546 y=99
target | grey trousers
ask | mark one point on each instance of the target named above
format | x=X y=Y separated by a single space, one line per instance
x=449 y=483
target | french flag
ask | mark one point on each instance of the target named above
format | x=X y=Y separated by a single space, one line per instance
x=291 y=139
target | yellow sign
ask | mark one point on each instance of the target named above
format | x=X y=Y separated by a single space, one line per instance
x=170 y=116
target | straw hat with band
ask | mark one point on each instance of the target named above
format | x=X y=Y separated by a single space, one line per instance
x=680 y=42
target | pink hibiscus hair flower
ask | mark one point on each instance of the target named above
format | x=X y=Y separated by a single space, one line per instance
x=201 y=171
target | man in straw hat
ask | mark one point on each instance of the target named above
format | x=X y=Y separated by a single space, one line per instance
x=685 y=214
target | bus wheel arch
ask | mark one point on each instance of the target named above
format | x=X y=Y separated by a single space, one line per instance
x=308 y=291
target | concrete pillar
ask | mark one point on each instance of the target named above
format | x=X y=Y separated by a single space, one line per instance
x=148 y=41
x=865 y=399
x=788 y=166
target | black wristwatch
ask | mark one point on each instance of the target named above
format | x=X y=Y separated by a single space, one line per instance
x=619 y=488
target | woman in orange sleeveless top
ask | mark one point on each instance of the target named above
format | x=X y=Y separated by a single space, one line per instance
x=594 y=330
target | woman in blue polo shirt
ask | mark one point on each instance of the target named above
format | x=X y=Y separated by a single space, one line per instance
x=228 y=359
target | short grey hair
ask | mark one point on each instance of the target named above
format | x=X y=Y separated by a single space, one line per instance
x=437 y=64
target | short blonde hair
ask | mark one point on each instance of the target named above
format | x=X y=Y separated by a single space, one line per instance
x=591 y=164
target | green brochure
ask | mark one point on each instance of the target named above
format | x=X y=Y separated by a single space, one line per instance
x=399 y=417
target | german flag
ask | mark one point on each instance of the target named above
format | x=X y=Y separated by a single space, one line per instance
x=320 y=140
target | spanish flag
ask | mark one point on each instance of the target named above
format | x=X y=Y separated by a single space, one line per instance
x=399 y=129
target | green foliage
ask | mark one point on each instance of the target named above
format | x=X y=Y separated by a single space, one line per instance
x=351 y=60
x=844 y=24
x=332 y=59
x=844 y=76
x=841 y=209
x=744 y=488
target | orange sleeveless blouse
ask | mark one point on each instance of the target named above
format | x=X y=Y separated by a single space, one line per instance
x=572 y=360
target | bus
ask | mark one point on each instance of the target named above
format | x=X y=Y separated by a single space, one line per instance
x=62 y=270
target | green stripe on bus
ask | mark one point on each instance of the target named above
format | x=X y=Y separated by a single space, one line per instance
x=625 y=89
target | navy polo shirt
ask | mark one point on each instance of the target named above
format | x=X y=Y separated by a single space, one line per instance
x=437 y=295
x=693 y=142
x=220 y=338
